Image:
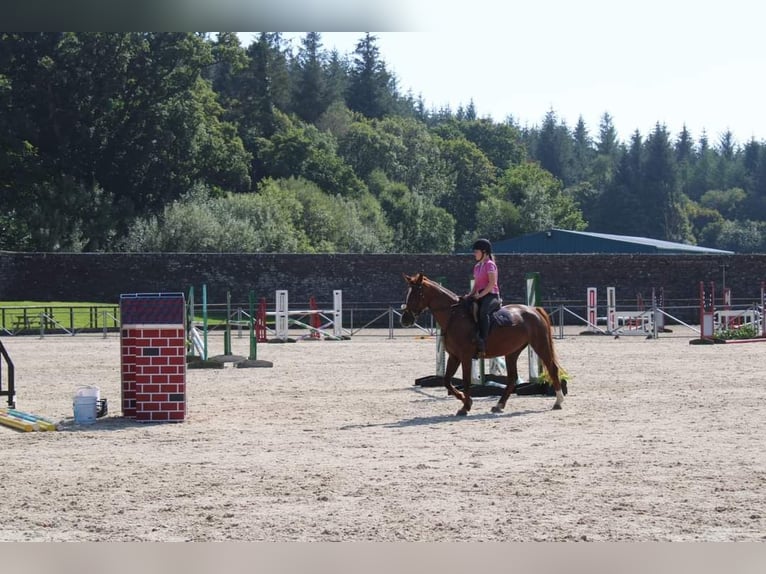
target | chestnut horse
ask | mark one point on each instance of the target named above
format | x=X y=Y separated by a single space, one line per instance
x=525 y=325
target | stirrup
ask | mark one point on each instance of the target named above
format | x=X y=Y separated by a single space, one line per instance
x=481 y=349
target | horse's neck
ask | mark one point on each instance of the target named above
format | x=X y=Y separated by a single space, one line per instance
x=441 y=305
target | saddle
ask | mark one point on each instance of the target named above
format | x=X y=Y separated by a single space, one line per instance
x=500 y=317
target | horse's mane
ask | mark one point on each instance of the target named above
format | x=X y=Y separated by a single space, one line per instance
x=441 y=288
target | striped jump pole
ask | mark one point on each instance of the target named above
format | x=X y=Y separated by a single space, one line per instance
x=707 y=311
x=252 y=359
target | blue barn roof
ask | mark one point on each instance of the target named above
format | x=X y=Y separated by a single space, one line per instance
x=565 y=241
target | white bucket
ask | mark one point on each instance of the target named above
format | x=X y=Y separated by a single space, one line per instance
x=89 y=391
x=86 y=405
x=85 y=409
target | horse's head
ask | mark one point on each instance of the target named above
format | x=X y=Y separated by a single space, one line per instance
x=414 y=300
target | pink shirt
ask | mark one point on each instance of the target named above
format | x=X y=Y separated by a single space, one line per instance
x=481 y=273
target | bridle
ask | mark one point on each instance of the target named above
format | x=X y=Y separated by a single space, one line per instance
x=420 y=296
x=410 y=290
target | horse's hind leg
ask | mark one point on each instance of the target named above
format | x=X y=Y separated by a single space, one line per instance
x=544 y=350
x=512 y=370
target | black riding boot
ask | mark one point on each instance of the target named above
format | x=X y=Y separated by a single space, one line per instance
x=481 y=338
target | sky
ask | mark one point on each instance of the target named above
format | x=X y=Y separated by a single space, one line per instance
x=698 y=64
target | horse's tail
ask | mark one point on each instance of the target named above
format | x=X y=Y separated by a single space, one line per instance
x=549 y=334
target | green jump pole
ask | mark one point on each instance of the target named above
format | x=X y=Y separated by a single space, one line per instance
x=535 y=300
x=190 y=319
x=204 y=319
x=253 y=341
x=227 y=331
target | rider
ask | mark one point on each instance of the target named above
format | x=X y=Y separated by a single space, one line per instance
x=485 y=288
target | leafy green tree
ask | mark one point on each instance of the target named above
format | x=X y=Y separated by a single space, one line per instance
x=419 y=162
x=727 y=202
x=745 y=236
x=501 y=143
x=114 y=126
x=337 y=119
x=288 y=216
x=498 y=219
x=418 y=225
x=537 y=198
x=473 y=173
x=300 y=150
x=703 y=220
x=403 y=149
x=366 y=147
x=198 y=222
x=333 y=223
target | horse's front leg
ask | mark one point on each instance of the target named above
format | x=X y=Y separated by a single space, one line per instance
x=449 y=372
x=466 y=398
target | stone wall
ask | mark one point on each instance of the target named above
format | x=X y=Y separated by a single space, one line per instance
x=365 y=279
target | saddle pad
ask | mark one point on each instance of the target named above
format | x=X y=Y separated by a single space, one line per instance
x=502 y=318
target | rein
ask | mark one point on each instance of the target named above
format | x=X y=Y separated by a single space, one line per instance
x=433 y=309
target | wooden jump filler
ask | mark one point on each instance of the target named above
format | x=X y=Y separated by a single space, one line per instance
x=153 y=356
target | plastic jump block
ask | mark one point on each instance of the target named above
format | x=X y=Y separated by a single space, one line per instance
x=13 y=422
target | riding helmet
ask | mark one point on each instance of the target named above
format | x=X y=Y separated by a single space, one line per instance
x=483 y=245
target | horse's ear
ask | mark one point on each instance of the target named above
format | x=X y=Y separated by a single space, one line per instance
x=407 y=278
x=419 y=278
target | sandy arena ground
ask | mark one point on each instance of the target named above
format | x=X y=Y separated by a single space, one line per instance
x=658 y=440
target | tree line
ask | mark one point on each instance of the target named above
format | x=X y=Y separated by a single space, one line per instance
x=194 y=142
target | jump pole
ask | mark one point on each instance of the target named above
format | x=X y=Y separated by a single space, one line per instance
x=204 y=320
x=227 y=326
x=280 y=318
x=707 y=316
x=252 y=360
x=337 y=313
x=533 y=300
x=611 y=310
x=592 y=298
x=227 y=356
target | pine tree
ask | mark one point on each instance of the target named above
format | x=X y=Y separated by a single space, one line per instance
x=369 y=90
x=554 y=148
x=309 y=92
x=684 y=156
x=660 y=191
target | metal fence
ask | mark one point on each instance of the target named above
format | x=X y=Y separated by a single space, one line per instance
x=383 y=317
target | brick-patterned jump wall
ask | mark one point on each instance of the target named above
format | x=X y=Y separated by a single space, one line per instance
x=153 y=357
x=102 y=277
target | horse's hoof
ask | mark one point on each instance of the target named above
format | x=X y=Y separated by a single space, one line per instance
x=497 y=409
x=462 y=413
x=556 y=407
